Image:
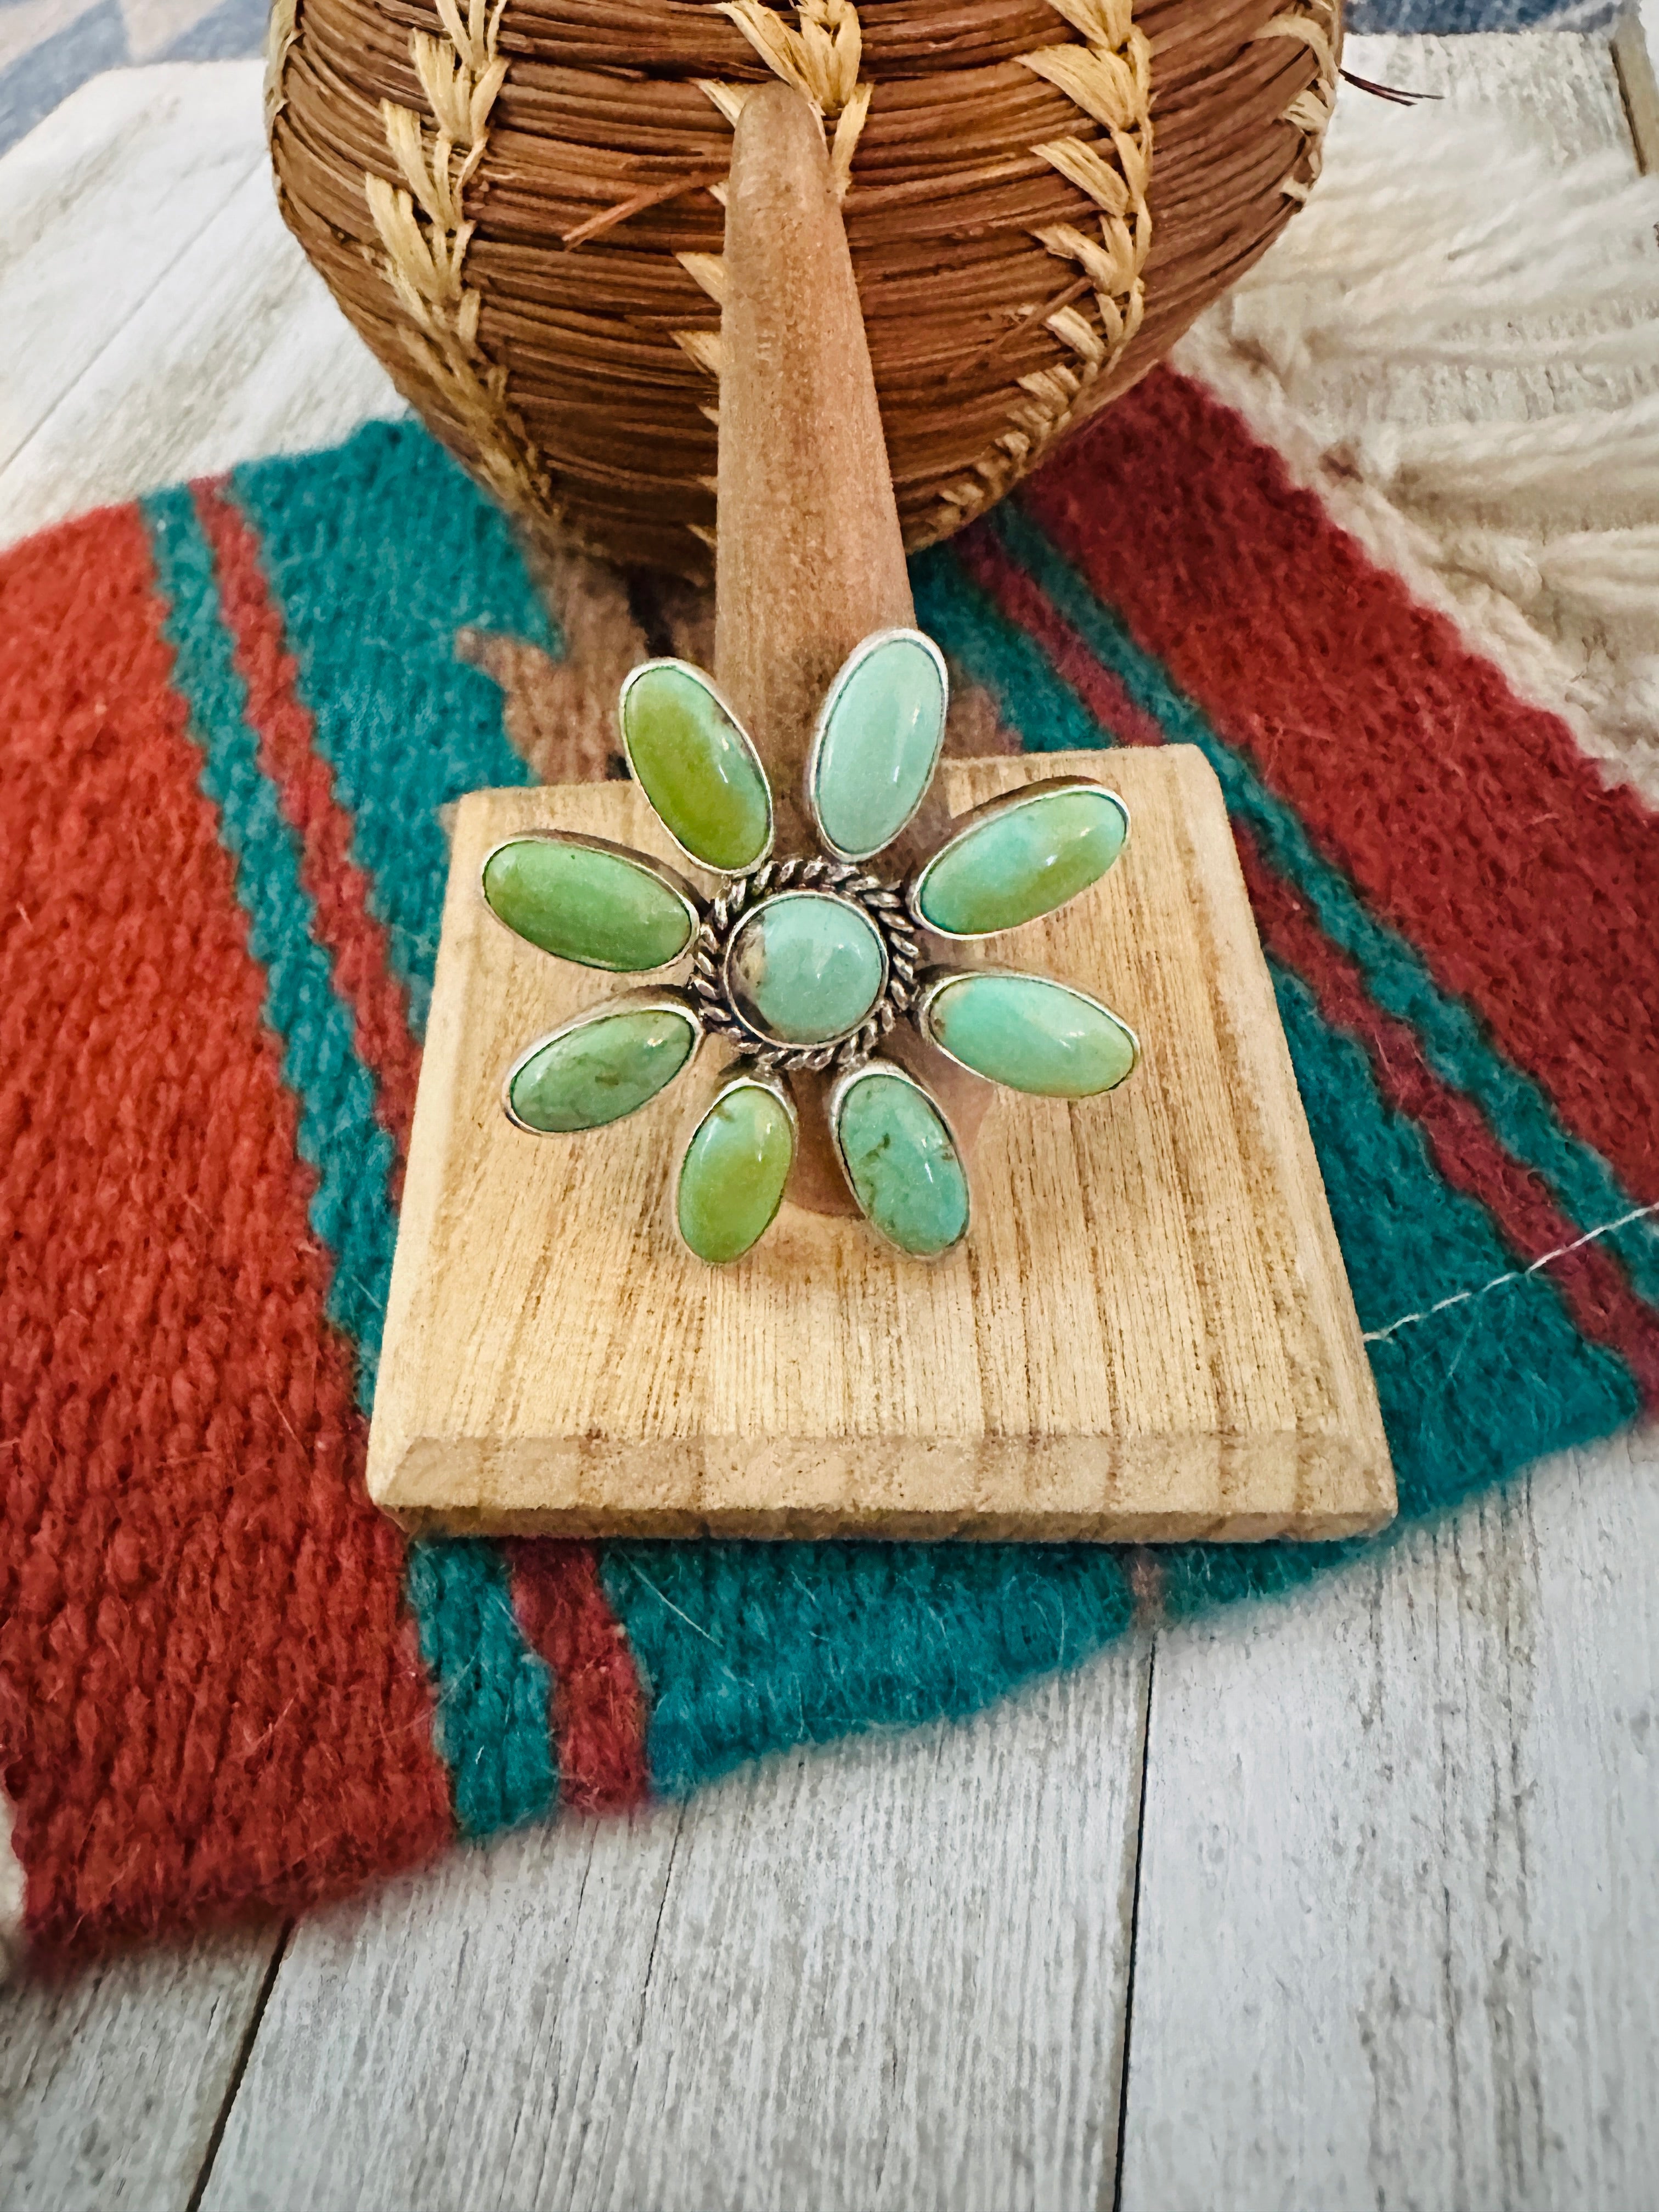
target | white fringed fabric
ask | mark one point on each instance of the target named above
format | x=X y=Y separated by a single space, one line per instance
x=1512 y=471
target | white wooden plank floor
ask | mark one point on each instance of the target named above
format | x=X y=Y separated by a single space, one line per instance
x=1401 y=1841
x=1363 y=1886
x=174 y=328
x=887 y=1978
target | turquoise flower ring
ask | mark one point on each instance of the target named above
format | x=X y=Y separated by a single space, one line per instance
x=805 y=963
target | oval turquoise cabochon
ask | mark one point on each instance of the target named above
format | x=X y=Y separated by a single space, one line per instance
x=589 y=904
x=1030 y=1034
x=1026 y=855
x=696 y=766
x=600 y=1069
x=877 y=743
x=732 y=1177
x=902 y=1162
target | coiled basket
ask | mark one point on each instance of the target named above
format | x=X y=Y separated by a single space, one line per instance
x=517 y=203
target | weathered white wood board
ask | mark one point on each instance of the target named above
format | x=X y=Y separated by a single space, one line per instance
x=1397 y=1919
x=101 y=202
x=228 y=348
x=1399 y=1875
x=888 y=1979
x=111 y=2083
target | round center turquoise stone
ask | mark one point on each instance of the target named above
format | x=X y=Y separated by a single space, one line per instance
x=805 y=967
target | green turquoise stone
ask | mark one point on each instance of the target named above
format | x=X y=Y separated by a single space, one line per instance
x=877 y=746
x=696 y=767
x=608 y=1065
x=804 y=967
x=1031 y=1034
x=733 y=1176
x=902 y=1164
x=1022 y=860
x=599 y=908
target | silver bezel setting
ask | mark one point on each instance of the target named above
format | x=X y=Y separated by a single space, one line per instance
x=647 y=863
x=963 y=826
x=741 y=1075
x=879 y=903
x=706 y=683
x=843 y=675
x=838 y=1091
x=649 y=999
x=935 y=980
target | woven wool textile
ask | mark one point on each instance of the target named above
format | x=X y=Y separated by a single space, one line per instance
x=229 y=719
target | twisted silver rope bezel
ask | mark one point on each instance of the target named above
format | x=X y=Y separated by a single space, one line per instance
x=883 y=904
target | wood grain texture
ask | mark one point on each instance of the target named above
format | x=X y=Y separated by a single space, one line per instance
x=112 y=2084
x=1401 y=1838
x=229 y=349
x=1149 y=1332
x=887 y=1981
x=102 y=203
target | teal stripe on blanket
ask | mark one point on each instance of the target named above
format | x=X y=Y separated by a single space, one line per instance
x=494 y=1695
x=1050 y=716
x=340 y=1137
x=377 y=554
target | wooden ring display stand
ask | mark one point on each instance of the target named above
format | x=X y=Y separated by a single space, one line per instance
x=1149 y=1334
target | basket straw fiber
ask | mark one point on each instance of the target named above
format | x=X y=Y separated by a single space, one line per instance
x=519 y=209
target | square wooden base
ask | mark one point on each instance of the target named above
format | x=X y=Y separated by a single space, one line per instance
x=1148 y=1335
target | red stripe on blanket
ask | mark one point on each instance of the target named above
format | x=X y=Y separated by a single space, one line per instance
x=1467 y=1154
x=208 y=1686
x=1532 y=891
x=355 y=941
x=1024 y=601
x=1592 y=1284
x=599 y=1711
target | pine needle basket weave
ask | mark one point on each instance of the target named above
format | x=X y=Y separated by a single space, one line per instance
x=517 y=203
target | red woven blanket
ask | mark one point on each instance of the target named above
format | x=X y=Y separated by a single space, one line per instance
x=229 y=718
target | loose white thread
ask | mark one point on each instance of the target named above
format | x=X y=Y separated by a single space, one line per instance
x=1516 y=1275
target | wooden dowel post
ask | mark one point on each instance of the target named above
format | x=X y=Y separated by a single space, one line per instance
x=810 y=558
